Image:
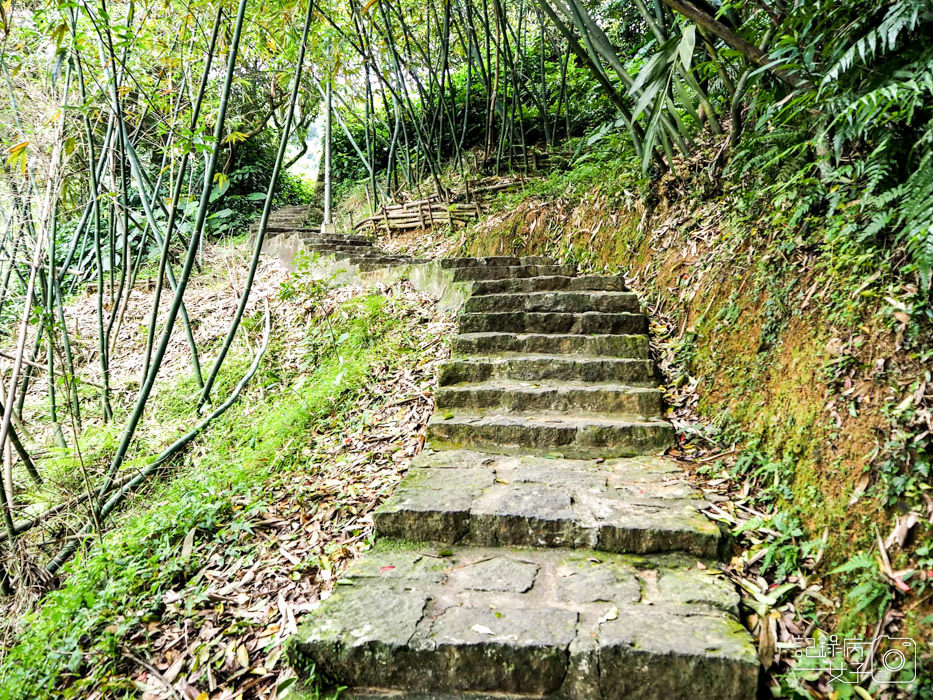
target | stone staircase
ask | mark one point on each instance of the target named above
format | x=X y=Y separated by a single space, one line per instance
x=288 y=232
x=538 y=548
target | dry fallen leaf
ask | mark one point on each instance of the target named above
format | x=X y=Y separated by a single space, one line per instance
x=611 y=614
x=766 y=643
x=188 y=544
x=860 y=487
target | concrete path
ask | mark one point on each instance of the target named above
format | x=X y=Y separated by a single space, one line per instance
x=538 y=547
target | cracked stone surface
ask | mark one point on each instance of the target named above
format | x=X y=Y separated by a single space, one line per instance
x=564 y=301
x=467 y=622
x=499 y=272
x=505 y=343
x=537 y=548
x=553 y=322
x=598 y=283
x=544 y=367
x=551 y=397
x=565 y=436
x=617 y=505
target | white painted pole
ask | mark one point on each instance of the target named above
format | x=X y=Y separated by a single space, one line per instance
x=327 y=226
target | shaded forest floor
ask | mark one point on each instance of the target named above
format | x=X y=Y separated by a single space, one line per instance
x=195 y=585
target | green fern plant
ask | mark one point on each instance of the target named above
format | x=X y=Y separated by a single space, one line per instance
x=871 y=592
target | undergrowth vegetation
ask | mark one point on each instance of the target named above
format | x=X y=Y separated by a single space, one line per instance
x=762 y=171
x=82 y=638
x=804 y=353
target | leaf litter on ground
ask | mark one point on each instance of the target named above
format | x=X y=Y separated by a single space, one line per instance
x=229 y=643
x=219 y=634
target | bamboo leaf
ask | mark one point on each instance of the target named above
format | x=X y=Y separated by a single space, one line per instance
x=687 y=44
x=18 y=155
x=685 y=100
x=646 y=97
x=649 y=71
x=236 y=137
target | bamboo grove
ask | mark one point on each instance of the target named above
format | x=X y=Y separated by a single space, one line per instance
x=135 y=130
x=830 y=98
x=123 y=139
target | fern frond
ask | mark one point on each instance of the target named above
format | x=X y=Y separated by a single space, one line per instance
x=901 y=17
x=917 y=217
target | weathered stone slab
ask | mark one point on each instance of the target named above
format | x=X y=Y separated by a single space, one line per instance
x=434 y=504
x=493 y=343
x=332 y=239
x=352 y=635
x=470 y=497
x=593 y=581
x=610 y=283
x=552 y=397
x=567 y=436
x=559 y=301
x=496 y=261
x=507 y=574
x=373 y=266
x=348 y=247
x=468 y=274
x=554 y=301
x=387 y=564
x=533 y=368
x=647 y=654
x=578 y=628
x=551 y=322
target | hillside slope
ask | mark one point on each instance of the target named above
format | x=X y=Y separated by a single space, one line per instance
x=805 y=363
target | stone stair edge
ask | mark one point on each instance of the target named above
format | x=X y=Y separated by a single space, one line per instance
x=464 y=620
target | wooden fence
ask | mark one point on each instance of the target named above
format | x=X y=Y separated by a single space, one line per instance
x=462 y=208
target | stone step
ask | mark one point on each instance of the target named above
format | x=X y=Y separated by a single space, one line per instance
x=588 y=322
x=547 y=367
x=278 y=228
x=350 y=245
x=576 y=302
x=552 y=397
x=348 y=249
x=566 y=436
x=635 y=346
x=471 y=274
x=362 y=252
x=373 y=257
x=586 y=283
x=309 y=232
x=334 y=239
x=372 y=267
x=415 y=621
x=369 y=267
x=629 y=506
x=495 y=261
x=321 y=240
